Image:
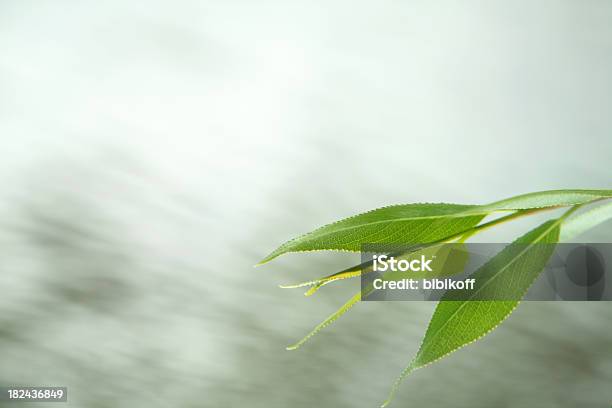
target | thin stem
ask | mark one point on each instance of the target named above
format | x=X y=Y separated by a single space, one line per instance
x=501 y=220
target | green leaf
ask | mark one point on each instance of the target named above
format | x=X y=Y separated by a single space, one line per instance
x=330 y=319
x=410 y=223
x=455 y=324
x=423 y=223
x=316 y=284
x=585 y=221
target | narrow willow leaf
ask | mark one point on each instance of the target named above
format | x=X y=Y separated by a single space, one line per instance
x=350 y=303
x=353 y=271
x=410 y=223
x=455 y=324
x=422 y=223
x=583 y=222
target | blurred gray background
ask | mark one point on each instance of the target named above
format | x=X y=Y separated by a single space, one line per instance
x=153 y=152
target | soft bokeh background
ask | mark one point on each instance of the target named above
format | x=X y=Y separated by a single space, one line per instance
x=152 y=152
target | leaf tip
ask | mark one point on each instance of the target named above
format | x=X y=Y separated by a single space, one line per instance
x=389 y=398
x=269 y=257
x=263 y=261
x=311 y=291
x=295 y=285
x=297 y=345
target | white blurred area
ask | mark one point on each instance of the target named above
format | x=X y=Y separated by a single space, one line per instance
x=152 y=152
